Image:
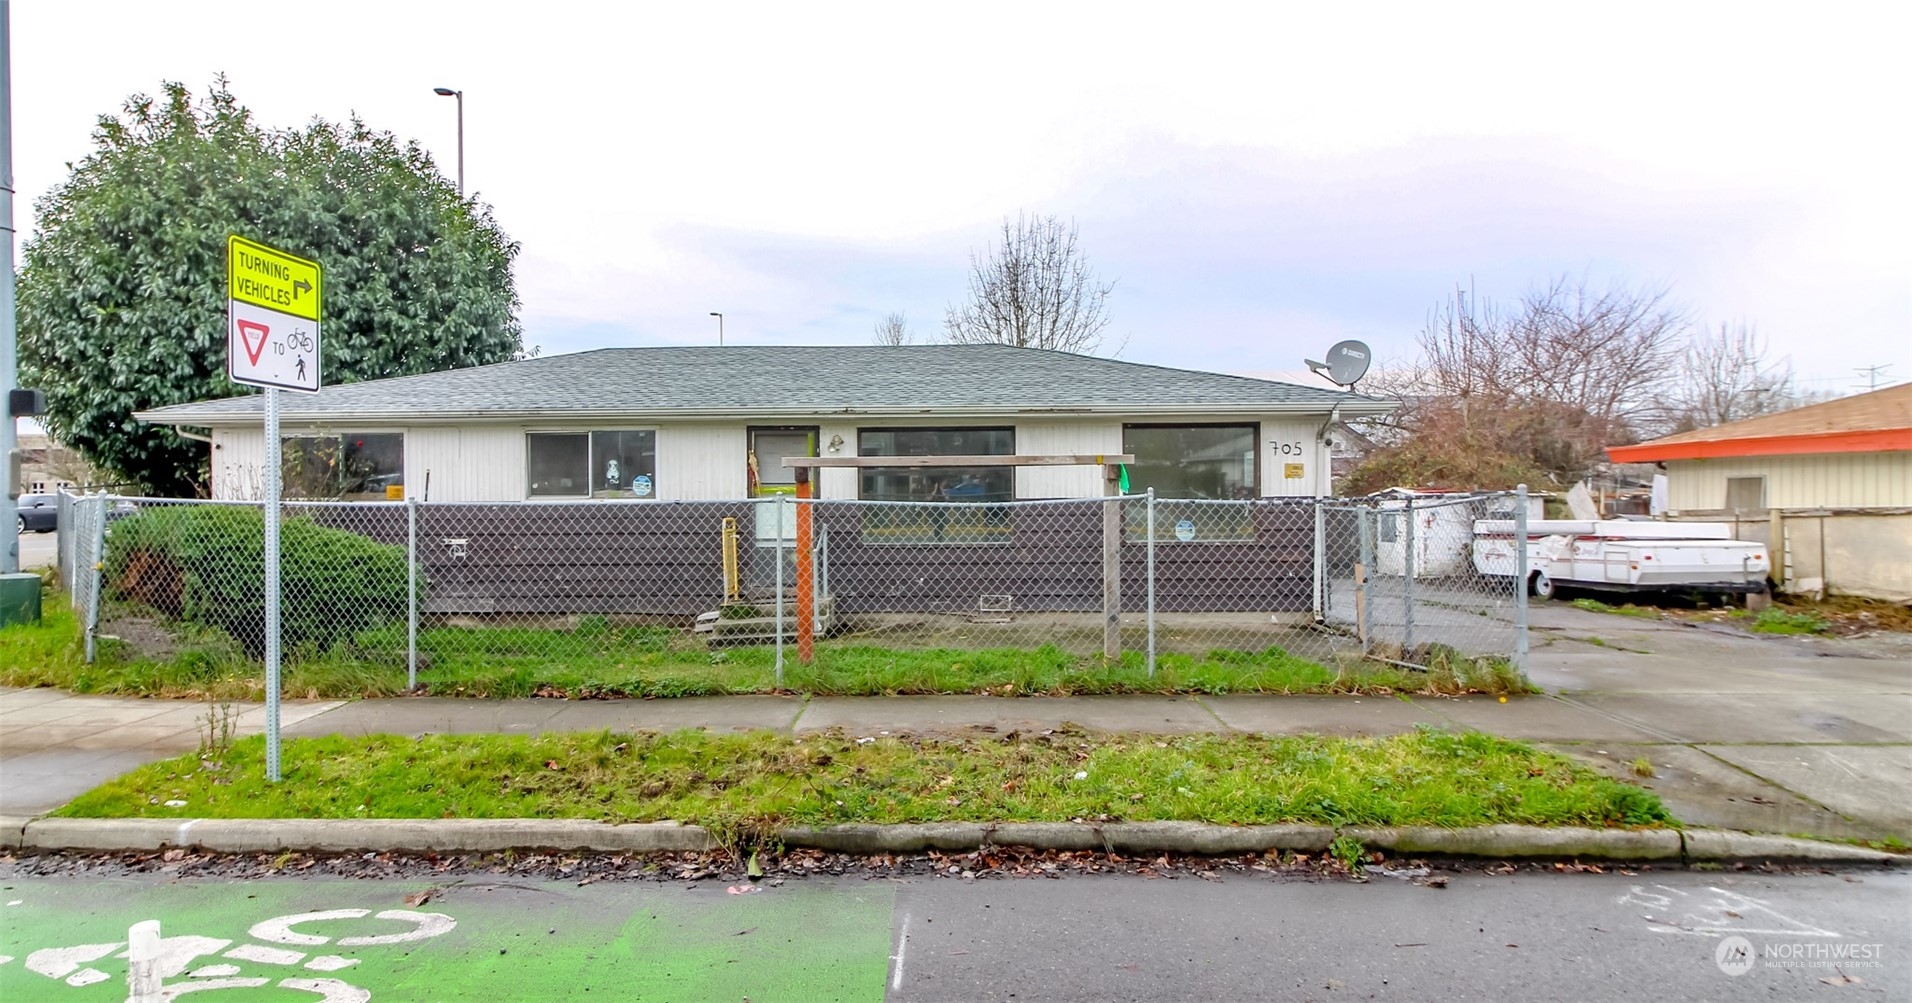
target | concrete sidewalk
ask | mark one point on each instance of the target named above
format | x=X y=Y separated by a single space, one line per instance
x=1747 y=764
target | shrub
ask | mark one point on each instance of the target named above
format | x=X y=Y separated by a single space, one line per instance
x=205 y=564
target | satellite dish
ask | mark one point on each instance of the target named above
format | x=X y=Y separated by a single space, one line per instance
x=1347 y=363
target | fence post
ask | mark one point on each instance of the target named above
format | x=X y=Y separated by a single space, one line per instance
x=778 y=553
x=1364 y=518
x=95 y=571
x=411 y=593
x=806 y=570
x=1520 y=577
x=1111 y=565
x=1149 y=576
x=1320 y=561
x=1407 y=581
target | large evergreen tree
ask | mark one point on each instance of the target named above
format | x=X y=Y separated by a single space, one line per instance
x=123 y=295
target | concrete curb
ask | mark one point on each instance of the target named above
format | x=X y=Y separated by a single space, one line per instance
x=1726 y=844
x=1522 y=841
x=1133 y=838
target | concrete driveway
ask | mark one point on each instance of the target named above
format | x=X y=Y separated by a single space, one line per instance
x=1769 y=733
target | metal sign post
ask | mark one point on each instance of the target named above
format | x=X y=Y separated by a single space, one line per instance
x=272 y=341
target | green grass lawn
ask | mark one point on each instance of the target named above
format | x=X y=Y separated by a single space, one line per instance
x=598 y=660
x=749 y=784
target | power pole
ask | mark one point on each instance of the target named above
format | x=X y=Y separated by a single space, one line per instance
x=1871 y=374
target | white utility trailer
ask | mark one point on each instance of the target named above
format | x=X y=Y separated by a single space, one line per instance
x=1619 y=555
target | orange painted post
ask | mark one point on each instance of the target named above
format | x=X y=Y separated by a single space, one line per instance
x=806 y=574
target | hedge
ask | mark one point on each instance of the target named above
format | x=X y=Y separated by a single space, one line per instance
x=205 y=564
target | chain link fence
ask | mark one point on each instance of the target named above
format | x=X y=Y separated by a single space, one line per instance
x=1399 y=575
x=1133 y=579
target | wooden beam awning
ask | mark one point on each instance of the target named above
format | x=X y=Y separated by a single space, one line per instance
x=1065 y=460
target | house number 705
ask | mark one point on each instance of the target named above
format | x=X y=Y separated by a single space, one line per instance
x=1289 y=448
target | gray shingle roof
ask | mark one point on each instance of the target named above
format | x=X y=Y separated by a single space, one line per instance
x=749 y=379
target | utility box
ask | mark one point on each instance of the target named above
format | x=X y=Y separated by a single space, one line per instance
x=19 y=599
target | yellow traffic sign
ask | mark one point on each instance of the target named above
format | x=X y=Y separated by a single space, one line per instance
x=271 y=278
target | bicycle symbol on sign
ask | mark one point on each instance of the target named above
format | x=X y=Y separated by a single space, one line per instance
x=300 y=340
x=153 y=959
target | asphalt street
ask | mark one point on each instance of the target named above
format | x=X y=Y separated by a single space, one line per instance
x=37 y=550
x=1521 y=936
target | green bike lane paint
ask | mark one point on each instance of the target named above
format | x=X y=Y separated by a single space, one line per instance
x=285 y=940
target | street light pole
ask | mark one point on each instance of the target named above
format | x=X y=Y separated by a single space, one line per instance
x=720 y=327
x=446 y=92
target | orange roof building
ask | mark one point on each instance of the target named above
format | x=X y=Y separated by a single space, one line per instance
x=1854 y=452
x=1863 y=423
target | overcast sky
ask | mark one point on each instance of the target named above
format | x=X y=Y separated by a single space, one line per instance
x=1261 y=180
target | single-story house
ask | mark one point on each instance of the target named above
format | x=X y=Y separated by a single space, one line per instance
x=1834 y=480
x=706 y=428
x=710 y=423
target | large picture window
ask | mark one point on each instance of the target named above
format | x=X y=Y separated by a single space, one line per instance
x=1191 y=468
x=352 y=466
x=924 y=523
x=606 y=464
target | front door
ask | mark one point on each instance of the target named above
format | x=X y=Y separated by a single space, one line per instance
x=768 y=448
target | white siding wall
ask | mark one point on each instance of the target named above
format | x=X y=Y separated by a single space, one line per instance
x=1830 y=480
x=468 y=463
x=1060 y=438
x=696 y=462
x=841 y=481
x=1284 y=442
x=486 y=462
x=238 y=463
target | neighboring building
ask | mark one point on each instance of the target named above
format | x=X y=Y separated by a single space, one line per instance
x=47 y=467
x=1836 y=478
x=708 y=423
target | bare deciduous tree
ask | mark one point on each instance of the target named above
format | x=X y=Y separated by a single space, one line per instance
x=1727 y=376
x=894 y=329
x=1035 y=290
x=1540 y=388
x=1607 y=352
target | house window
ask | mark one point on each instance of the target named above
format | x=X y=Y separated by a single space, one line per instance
x=1745 y=494
x=605 y=464
x=37 y=488
x=352 y=466
x=1193 y=461
x=974 y=522
x=1191 y=468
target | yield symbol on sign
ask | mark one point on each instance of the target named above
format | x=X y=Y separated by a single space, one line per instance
x=253 y=334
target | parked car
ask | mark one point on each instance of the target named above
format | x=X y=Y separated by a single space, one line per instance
x=39 y=513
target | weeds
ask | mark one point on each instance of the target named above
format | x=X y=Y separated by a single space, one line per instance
x=1774 y=620
x=1349 y=851
x=1628 y=609
x=1642 y=767
x=216 y=730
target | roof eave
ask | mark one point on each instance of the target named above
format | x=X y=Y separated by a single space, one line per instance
x=1863 y=441
x=1354 y=407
